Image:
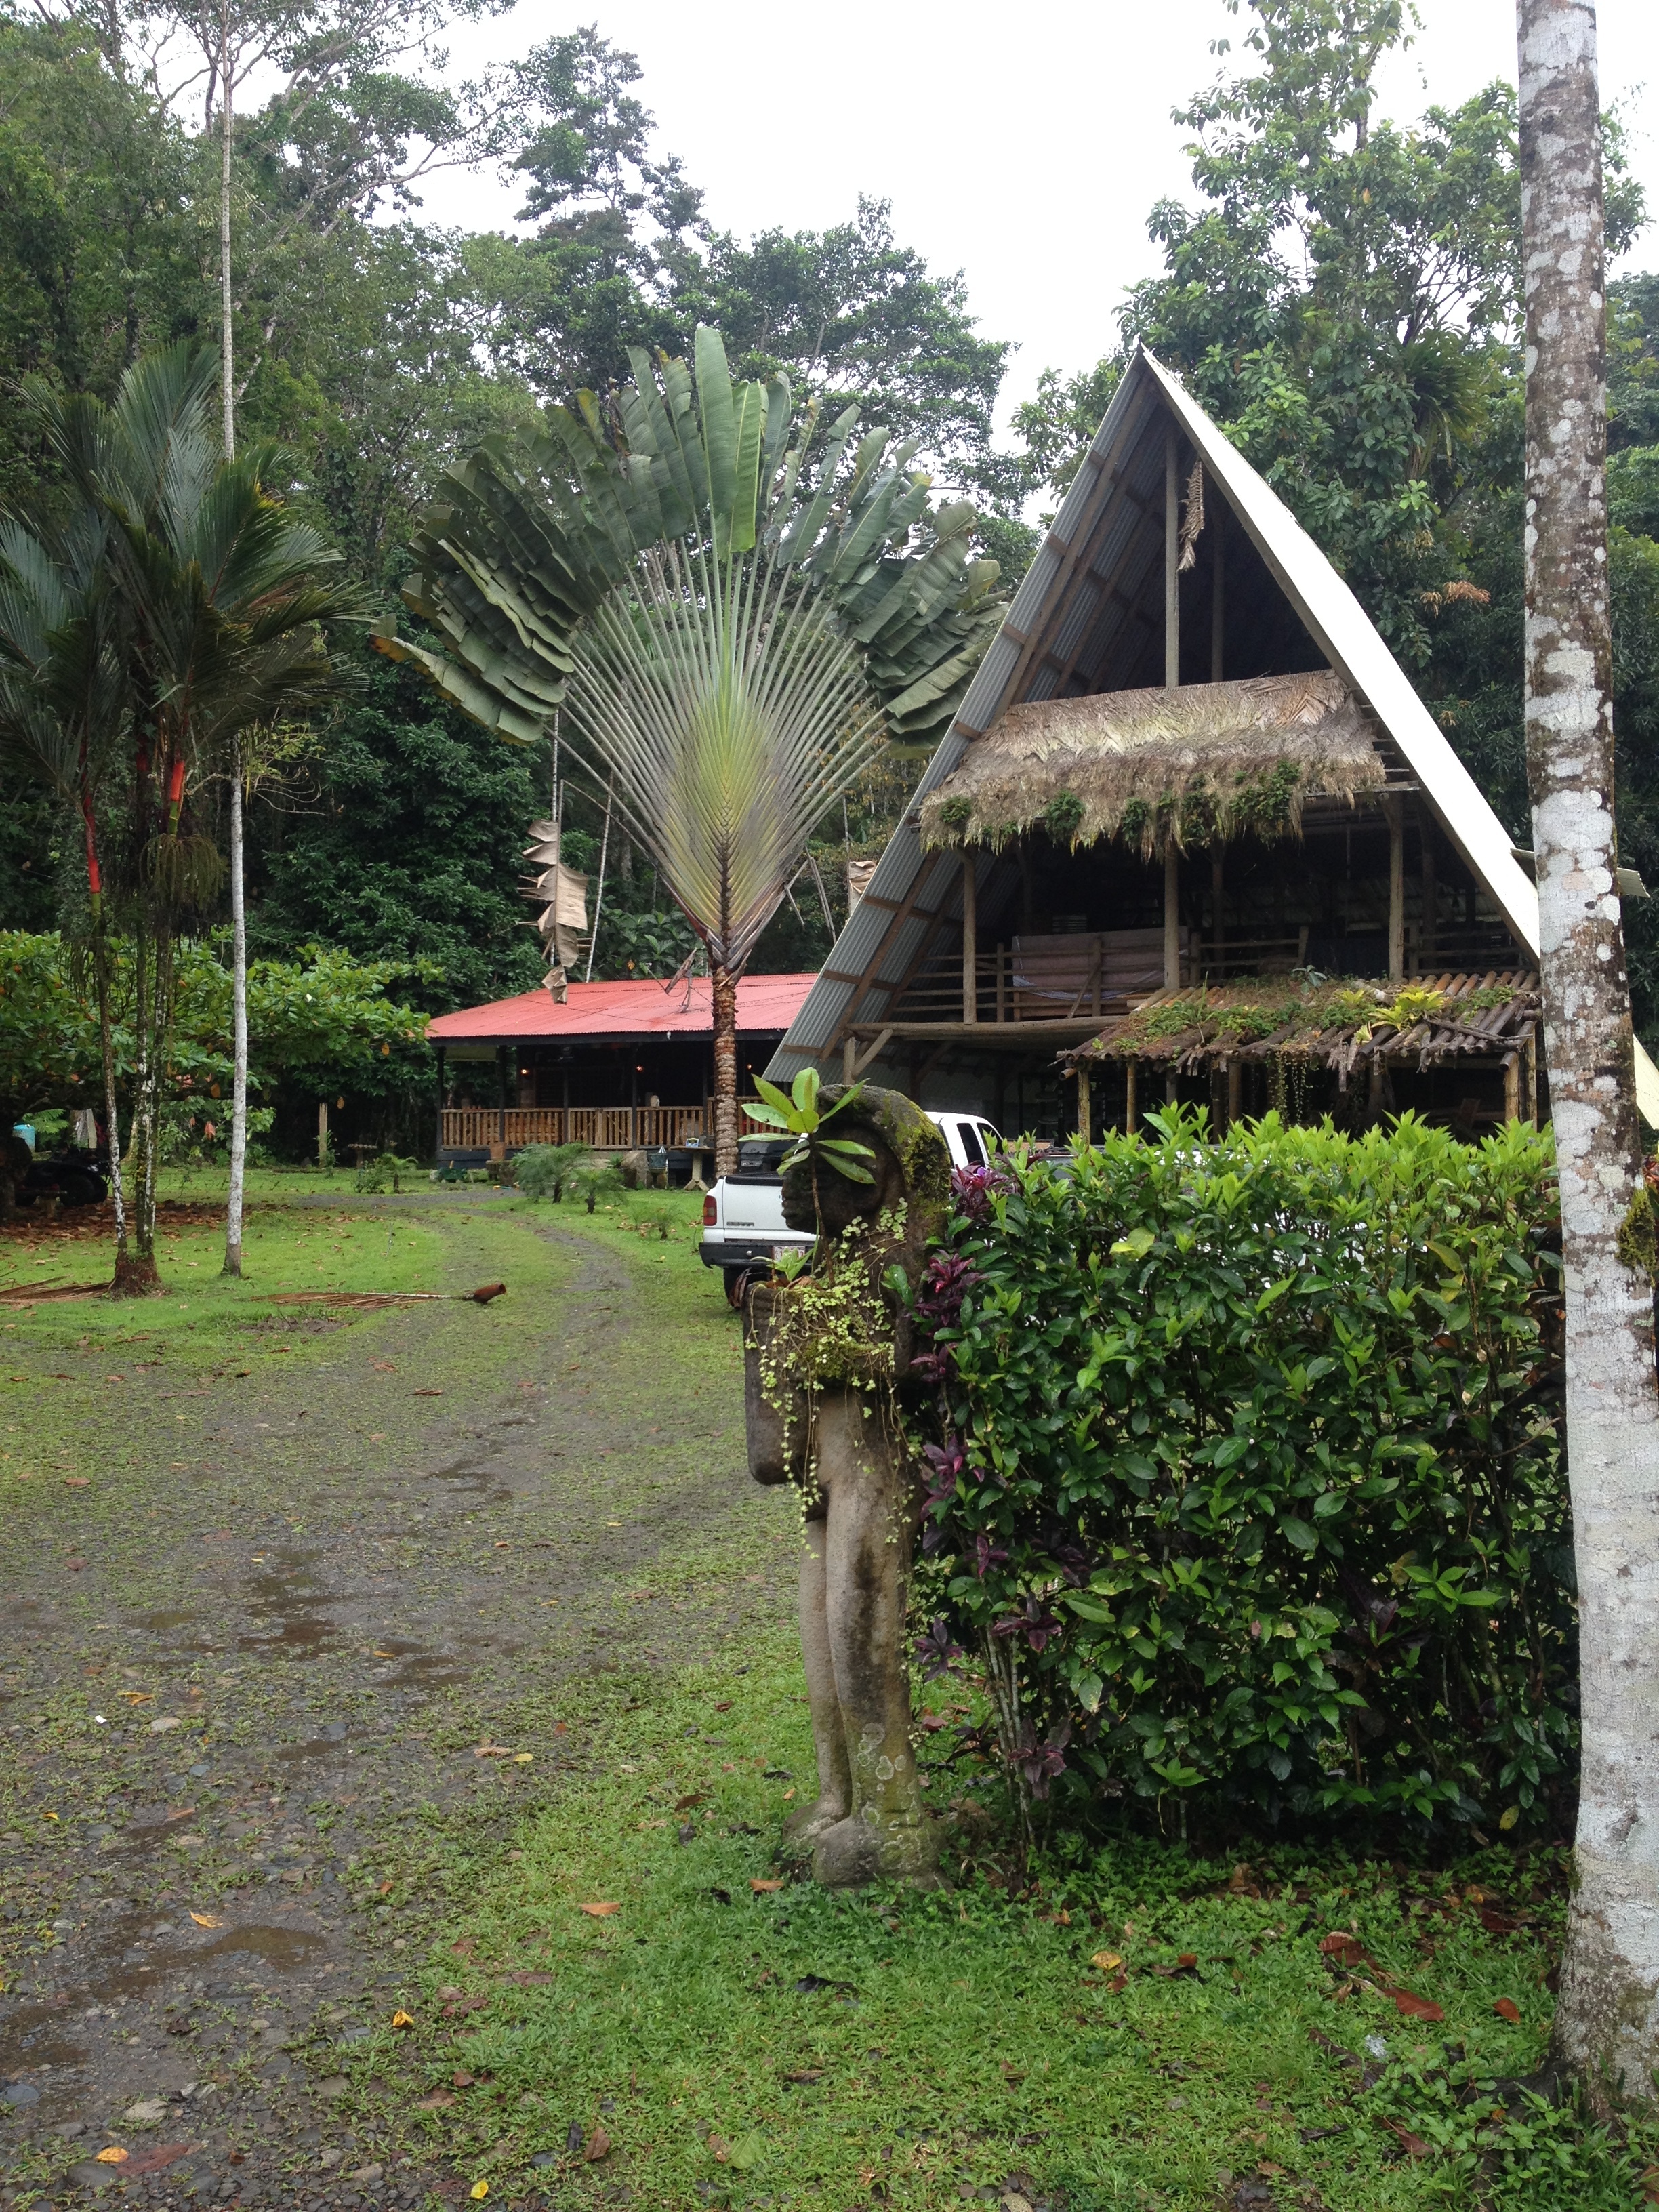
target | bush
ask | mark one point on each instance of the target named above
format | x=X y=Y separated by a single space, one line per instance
x=1247 y=1477
x=542 y=1170
x=386 y=1168
x=596 y=1176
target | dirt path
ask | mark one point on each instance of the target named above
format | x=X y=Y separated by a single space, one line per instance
x=391 y=1542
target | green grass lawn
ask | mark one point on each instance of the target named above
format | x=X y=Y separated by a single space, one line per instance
x=1137 y=2027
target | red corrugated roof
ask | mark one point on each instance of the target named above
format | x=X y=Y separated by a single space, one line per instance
x=766 y=1006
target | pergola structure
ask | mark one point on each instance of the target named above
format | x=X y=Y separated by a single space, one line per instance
x=1189 y=765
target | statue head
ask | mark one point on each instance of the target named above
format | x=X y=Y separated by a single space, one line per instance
x=910 y=1167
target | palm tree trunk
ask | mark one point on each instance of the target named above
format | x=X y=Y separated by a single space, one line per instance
x=135 y=1270
x=723 y=988
x=238 y=1023
x=1607 y=2021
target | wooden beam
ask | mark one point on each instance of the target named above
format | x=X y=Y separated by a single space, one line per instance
x=857 y=1061
x=1217 y=588
x=1171 y=917
x=1171 y=556
x=1394 y=812
x=969 y=937
x=1085 y=1105
x=1129 y=1098
x=1512 y=1087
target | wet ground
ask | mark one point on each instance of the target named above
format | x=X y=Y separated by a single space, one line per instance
x=220 y=1687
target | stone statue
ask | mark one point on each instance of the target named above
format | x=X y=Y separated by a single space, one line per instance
x=826 y=1356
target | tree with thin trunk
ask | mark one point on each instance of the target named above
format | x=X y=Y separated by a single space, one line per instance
x=736 y=617
x=226 y=602
x=1606 y=2022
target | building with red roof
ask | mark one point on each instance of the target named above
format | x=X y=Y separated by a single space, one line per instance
x=613 y=1064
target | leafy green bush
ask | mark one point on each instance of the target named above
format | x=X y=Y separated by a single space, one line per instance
x=542 y=1170
x=596 y=1176
x=386 y=1168
x=1248 y=1472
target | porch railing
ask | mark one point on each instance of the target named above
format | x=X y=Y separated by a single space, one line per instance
x=606 y=1128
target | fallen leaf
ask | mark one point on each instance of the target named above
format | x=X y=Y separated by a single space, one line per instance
x=788 y=1794
x=756 y=1883
x=719 y=2149
x=691 y=1797
x=435 y=2102
x=152 y=2161
x=747 y=2151
x=1013 y=2201
x=1415 y=2007
x=76 y=1482
x=479 y=2189
x=207 y=1920
x=402 y=2018
x=138 y=1697
x=1651 y=2184
x=428 y=1394
x=1413 y=2146
x=1506 y=2009
x=524 y=1759
x=461 y=2078
x=114 y=2155
x=377 y=1654
x=465 y=1947
x=599 y=2144
x=599 y=1911
x=1107 y=1961
x=808 y=2074
x=493 y=1751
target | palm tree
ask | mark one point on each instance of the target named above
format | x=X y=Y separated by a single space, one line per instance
x=732 y=628
x=225 y=611
x=62 y=714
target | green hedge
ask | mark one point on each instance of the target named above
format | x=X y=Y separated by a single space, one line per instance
x=1249 y=1477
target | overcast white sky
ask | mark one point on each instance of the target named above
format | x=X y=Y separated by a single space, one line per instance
x=1022 y=144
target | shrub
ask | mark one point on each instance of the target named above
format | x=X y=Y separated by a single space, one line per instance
x=542 y=1170
x=595 y=1177
x=385 y=1168
x=1247 y=1477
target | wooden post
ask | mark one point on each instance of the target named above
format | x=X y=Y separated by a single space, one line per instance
x=322 y=1132
x=1235 y=1090
x=1171 y=556
x=849 y=1057
x=1426 y=955
x=1532 y=1075
x=1085 y=1105
x=1129 y=1098
x=1396 y=820
x=1217 y=588
x=1002 y=983
x=1512 y=1087
x=1218 y=883
x=969 y=939
x=1171 y=917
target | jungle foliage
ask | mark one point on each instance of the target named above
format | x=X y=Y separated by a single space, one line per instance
x=1249 y=1478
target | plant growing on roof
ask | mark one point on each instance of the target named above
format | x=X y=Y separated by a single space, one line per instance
x=732 y=618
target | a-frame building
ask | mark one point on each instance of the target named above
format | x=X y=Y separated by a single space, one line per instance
x=1193 y=827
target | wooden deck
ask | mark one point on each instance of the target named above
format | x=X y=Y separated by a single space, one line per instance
x=501 y=1129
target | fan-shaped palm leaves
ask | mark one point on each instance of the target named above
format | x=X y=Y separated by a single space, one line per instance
x=732 y=623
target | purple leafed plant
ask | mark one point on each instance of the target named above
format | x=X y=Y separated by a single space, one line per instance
x=935 y=1653
x=974 y=1190
x=1040 y=1762
x=1034 y=1623
x=987 y=1554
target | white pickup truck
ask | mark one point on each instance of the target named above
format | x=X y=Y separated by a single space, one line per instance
x=743 y=1223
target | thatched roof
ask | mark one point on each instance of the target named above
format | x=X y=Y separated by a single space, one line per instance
x=1207 y=762
x=1336 y=1022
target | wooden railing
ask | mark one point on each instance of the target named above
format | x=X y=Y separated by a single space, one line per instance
x=606 y=1128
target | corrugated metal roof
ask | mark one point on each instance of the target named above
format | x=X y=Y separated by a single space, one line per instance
x=1046 y=605
x=766 y=1006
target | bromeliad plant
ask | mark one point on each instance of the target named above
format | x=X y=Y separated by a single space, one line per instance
x=1249 y=1481
x=733 y=614
x=798 y=1114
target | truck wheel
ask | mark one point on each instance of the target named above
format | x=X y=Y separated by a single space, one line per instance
x=79 y=1190
x=736 y=1282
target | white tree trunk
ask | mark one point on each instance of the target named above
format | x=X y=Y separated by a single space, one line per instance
x=237 y=910
x=238 y=1023
x=1607 y=2021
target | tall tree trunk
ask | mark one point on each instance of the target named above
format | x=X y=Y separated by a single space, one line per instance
x=239 y=1022
x=238 y=905
x=723 y=989
x=1607 y=2021
x=135 y=1271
